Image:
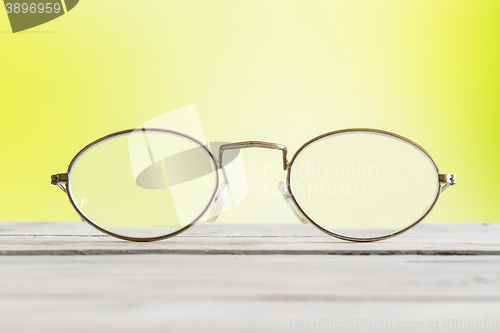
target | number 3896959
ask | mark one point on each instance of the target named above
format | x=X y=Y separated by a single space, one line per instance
x=33 y=8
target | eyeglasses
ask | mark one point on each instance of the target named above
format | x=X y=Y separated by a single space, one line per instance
x=150 y=184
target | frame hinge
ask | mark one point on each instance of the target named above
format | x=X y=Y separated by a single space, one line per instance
x=59 y=178
x=448 y=179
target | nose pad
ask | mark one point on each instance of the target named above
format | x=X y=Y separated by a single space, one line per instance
x=220 y=197
x=288 y=198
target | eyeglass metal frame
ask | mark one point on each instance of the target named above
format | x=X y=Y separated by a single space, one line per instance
x=62 y=180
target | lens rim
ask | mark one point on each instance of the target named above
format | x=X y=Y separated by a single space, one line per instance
x=128 y=131
x=361 y=130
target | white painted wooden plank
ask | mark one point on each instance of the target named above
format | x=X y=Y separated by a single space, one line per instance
x=109 y=316
x=179 y=293
x=247 y=293
x=80 y=238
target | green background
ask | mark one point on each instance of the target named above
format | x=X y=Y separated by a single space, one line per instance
x=279 y=71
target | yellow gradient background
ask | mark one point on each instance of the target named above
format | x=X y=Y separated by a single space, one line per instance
x=279 y=71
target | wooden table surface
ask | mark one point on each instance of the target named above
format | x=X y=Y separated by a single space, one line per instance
x=68 y=277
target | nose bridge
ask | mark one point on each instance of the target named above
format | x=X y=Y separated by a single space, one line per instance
x=254 y=144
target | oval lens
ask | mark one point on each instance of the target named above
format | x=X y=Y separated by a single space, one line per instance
x=143 y=184
x=364 y=184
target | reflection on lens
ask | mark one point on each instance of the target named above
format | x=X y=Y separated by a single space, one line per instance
x=145 y=183
x=364 y=184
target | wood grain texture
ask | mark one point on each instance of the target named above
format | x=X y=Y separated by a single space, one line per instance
x=220 y=281
x=74 y=238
